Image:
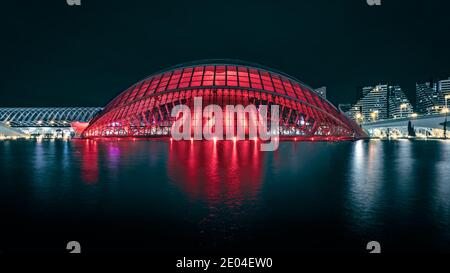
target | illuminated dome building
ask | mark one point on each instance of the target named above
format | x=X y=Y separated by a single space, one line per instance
x=144 y=109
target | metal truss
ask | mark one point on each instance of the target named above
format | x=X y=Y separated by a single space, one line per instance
x=144 y=109
x=46 y=116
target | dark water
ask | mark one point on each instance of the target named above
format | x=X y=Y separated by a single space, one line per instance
x=182 y=198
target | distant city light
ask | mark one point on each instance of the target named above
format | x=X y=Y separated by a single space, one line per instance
x=374 y=115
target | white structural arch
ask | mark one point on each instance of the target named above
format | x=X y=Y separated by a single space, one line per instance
x=46 y=116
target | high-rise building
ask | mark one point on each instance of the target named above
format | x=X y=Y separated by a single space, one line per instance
x=373 y=106
x=380 y=102
x=444 y=87
x=429 y=99
x=398 y=104
x=362 y=91
x=432 y=96
x=366 y=90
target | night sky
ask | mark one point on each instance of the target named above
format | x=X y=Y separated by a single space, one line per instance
x=56 y=55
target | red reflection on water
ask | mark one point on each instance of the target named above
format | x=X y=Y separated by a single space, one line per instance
x=89 y=166
x=222 y=171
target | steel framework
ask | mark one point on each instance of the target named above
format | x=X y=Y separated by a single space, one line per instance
x=144 y=109
x=46 y=116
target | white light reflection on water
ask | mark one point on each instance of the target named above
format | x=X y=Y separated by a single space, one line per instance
x=441 y=200
x=365 y=181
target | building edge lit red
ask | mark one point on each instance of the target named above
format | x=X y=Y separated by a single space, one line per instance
x=144 y=109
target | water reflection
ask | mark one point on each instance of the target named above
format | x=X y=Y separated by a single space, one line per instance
x=404 y=188
x=43 y=159
x=39 y=162
x=221 y=171
x=225 y=176
x=113 y=160
x=208 y=192
x=365 y=180
x=89 y=166
x=441 y=200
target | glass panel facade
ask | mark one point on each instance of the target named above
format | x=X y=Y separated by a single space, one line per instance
x=144 y=109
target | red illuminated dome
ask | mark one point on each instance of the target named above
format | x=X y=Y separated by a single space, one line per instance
x=144 y=109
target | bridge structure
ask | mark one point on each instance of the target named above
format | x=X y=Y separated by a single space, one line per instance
x=424 y=126
x=44 y=121
x=46 y=116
